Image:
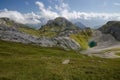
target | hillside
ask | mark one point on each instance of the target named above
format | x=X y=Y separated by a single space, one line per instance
x=107 y=41
x=28 y=62
x=63 y=27
x=17 y=33
x=113 y=28
x=66 y=37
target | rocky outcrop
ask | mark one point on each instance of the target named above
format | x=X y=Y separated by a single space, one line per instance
x=12 y=34
x=113 y=28
x=67 y=43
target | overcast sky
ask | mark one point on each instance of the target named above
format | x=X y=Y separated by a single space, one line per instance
x=87 y=11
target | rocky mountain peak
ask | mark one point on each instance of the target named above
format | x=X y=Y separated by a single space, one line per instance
x=58 y=24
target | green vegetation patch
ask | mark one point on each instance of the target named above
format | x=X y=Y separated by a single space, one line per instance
x=30 y=31
x=48 y=34
x=81 y=39
x=118 y=53
x=37 y=33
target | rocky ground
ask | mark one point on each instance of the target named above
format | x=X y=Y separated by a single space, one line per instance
x=104 y=42
x=11 y=34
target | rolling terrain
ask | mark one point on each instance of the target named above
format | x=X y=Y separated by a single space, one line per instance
x=58 y=50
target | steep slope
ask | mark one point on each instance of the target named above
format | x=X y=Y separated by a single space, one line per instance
x=82 y=38
x=113 y=28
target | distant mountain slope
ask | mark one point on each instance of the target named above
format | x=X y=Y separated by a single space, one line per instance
x=113 y=28
x=97 y=27
x=80 y=25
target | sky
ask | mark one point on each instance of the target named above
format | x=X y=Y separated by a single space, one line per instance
x=89 y=12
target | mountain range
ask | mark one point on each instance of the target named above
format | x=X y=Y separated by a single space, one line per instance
x=59 y=32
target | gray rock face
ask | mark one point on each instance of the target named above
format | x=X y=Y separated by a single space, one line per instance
x=11 y=34
x=59 y=24
x=67 y=43
x=113 y=28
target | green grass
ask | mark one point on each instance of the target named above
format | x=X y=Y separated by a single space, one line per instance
x=81 y=39
x=37 y=33
x=118 y=53
x=30 y=31
x=48 y=34
x=27 y=62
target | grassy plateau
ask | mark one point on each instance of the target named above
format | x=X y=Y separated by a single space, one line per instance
x=27 y=62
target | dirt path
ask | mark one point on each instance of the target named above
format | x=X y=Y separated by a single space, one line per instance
x=103 y=53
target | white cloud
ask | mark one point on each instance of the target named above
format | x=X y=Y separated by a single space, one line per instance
x=28 y=18
x=63 y=10
x=46 y=12
x=40 y=4
x=116 y=4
